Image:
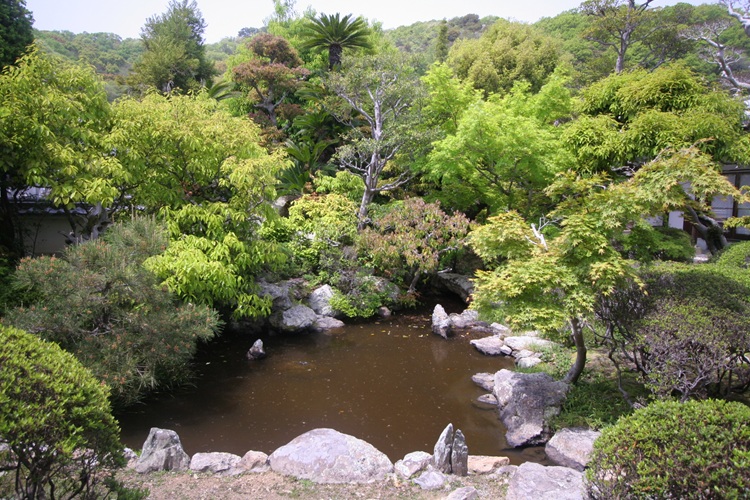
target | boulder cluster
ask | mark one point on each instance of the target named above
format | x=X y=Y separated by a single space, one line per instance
x=328 y=456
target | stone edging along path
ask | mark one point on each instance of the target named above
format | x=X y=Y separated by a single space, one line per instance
x=327 y=456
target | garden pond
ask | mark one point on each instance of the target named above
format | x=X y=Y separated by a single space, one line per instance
x=390 y=382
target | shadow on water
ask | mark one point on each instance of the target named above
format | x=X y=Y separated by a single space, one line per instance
x=390 y=382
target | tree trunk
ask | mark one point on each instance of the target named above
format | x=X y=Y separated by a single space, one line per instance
x=334 y=55
x=580 y=362
x=367 y=197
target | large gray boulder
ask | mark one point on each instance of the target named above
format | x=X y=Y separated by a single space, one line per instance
x=491 y=346
x=526 y=403
x=214 y=463
x=571 y=447
x=532 y=480
x=467 y=319
x=441 y=322
x=459 y=284
x=329 y=456
x=483 y=464
x=256 y=351
x=162 y=450
x=280 y=294
x=320 y=301
x=294 y=319
x=465 y=493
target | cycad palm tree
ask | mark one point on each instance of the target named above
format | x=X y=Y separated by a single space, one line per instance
x=337 y=33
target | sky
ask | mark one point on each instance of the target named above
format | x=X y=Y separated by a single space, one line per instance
x=226 y=17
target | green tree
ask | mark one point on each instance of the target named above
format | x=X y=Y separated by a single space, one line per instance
x=409 y=240
x=175 y=53
x=16 y=32
x=206 y=172
x=272 y=74
x=384 y=93
x=506 y=52
x=619 y=24
x=55 y=420
x=335 y=33
x=625 y=120
x=441 y=43
x=99 y=303
x=504 y=151
x=53 y=116
x=447 y=98
x=547 y=277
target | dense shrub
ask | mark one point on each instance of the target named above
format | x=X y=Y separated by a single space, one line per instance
x=99 y=303
x=321 y=227
x=55 y=420
x=359 y=294
x=411 y=239
x=698 y=449
x=735 y=261
x=645 y=243
x=687 y=331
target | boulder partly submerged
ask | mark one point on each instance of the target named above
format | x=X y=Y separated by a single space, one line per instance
x=526 y=403
x=329 y=456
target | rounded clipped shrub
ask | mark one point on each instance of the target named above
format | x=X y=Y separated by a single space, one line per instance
x=698 y=449
x=56 y=426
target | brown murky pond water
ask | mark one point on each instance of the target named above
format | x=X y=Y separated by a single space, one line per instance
x=390 y=382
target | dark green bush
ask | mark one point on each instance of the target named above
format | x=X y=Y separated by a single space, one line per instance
x=686 y=332
x=55 y=420
x=99 y=303
x=698 y=449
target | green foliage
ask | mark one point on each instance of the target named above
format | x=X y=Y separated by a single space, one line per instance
x=645 y=243
x=505 y=53
x=52 y=116
x=344 y=183
x=686 y=333
x=55 y=420
x=99 y=303
x=15 y=30
x=335 y=33
x=270 y=74
x=447 y=98
x=504 y=152
x=214 y=184
x=698 y=449
x=410 y=240
x=379 y=98
x=542 y=282
x=430 y=38
x=595 y=403
x=628 y=119
x=321 y=227
x=735 y=261
x=175 y=56
x=358 y=294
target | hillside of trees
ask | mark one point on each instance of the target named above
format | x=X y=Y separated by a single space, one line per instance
x=540 y=160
